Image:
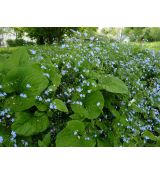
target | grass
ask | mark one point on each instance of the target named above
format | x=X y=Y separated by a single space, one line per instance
x=153 y=45
x=149 y=45
x=6 y=51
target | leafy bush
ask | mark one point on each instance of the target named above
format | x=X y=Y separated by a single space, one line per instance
x=47 y=35
x=143 y=33
x=155 y=33
x=85 y=92
x=136 y=33
x=18 y=42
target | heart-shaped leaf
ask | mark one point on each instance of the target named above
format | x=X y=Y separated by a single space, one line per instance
x=27 y=124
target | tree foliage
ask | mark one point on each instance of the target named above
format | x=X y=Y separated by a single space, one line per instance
x=47 y=35
x=143 y=33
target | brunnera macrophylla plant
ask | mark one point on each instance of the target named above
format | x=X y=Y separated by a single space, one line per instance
x=84 y=92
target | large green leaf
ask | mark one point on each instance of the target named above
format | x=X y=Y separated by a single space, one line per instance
x=18 y=58
x=41 y=106
x=150 y=135
x=60 y=105
x=77 y=117
x=46 y=141
x=18 y=79
x=17 y=103
x=73 y=136
x=53 y=76
x=37 y=81
x=25 y=81
x=79 y=110
x=112 y=84
x=27 y=124
x=94 y=104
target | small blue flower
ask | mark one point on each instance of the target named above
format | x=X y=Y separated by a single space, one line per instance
x=43 y=67
x=47 y=100
x=3 y=94
x=75 y=132
x=52 y=106
x=12 y=119
x=46 y=74
x=68 y=65
x=1 y=139
x=28 y=86
x=23 y=95
x=33 y=52
x=13 y=134
x=92 y=38
x=87 y=138
x=63 y=72
x=98 y=104
x=85 y=34
x=79 y=89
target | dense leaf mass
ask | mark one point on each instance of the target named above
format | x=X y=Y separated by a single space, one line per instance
x=84 y=92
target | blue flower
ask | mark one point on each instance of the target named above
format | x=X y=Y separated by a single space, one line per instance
x=13 y=134
x=52 y=106
x=43 y=67
x=79 y=89
x=46 y=74
x=1 y=139
x=33 y=52
x=23 y=95
x=98 y=104
x=28 y=86
x=87 y=138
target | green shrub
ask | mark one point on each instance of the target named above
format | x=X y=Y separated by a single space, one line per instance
x=135 y=33
x=18 y=42
x=143 y=33
x=85 y=92
x=15 y=42
x=155 y=33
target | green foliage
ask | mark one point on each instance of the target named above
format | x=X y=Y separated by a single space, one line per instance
x=49 y=34
x=73 y=135
x=16 y=42
x=16 y=82
x=79 y=111
x=43 y=34
x=143 y=33
x=149 y=135
x=46 y=141
x=18 y=79
x=111 y=33
x=84 y=92
x=18 y=58
x=6 y=136
x=112 y=84
x=94 y=103
x=155 y=33
x=16 y=103
x=135 y=33
x=27 y=124
x=60 y=105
